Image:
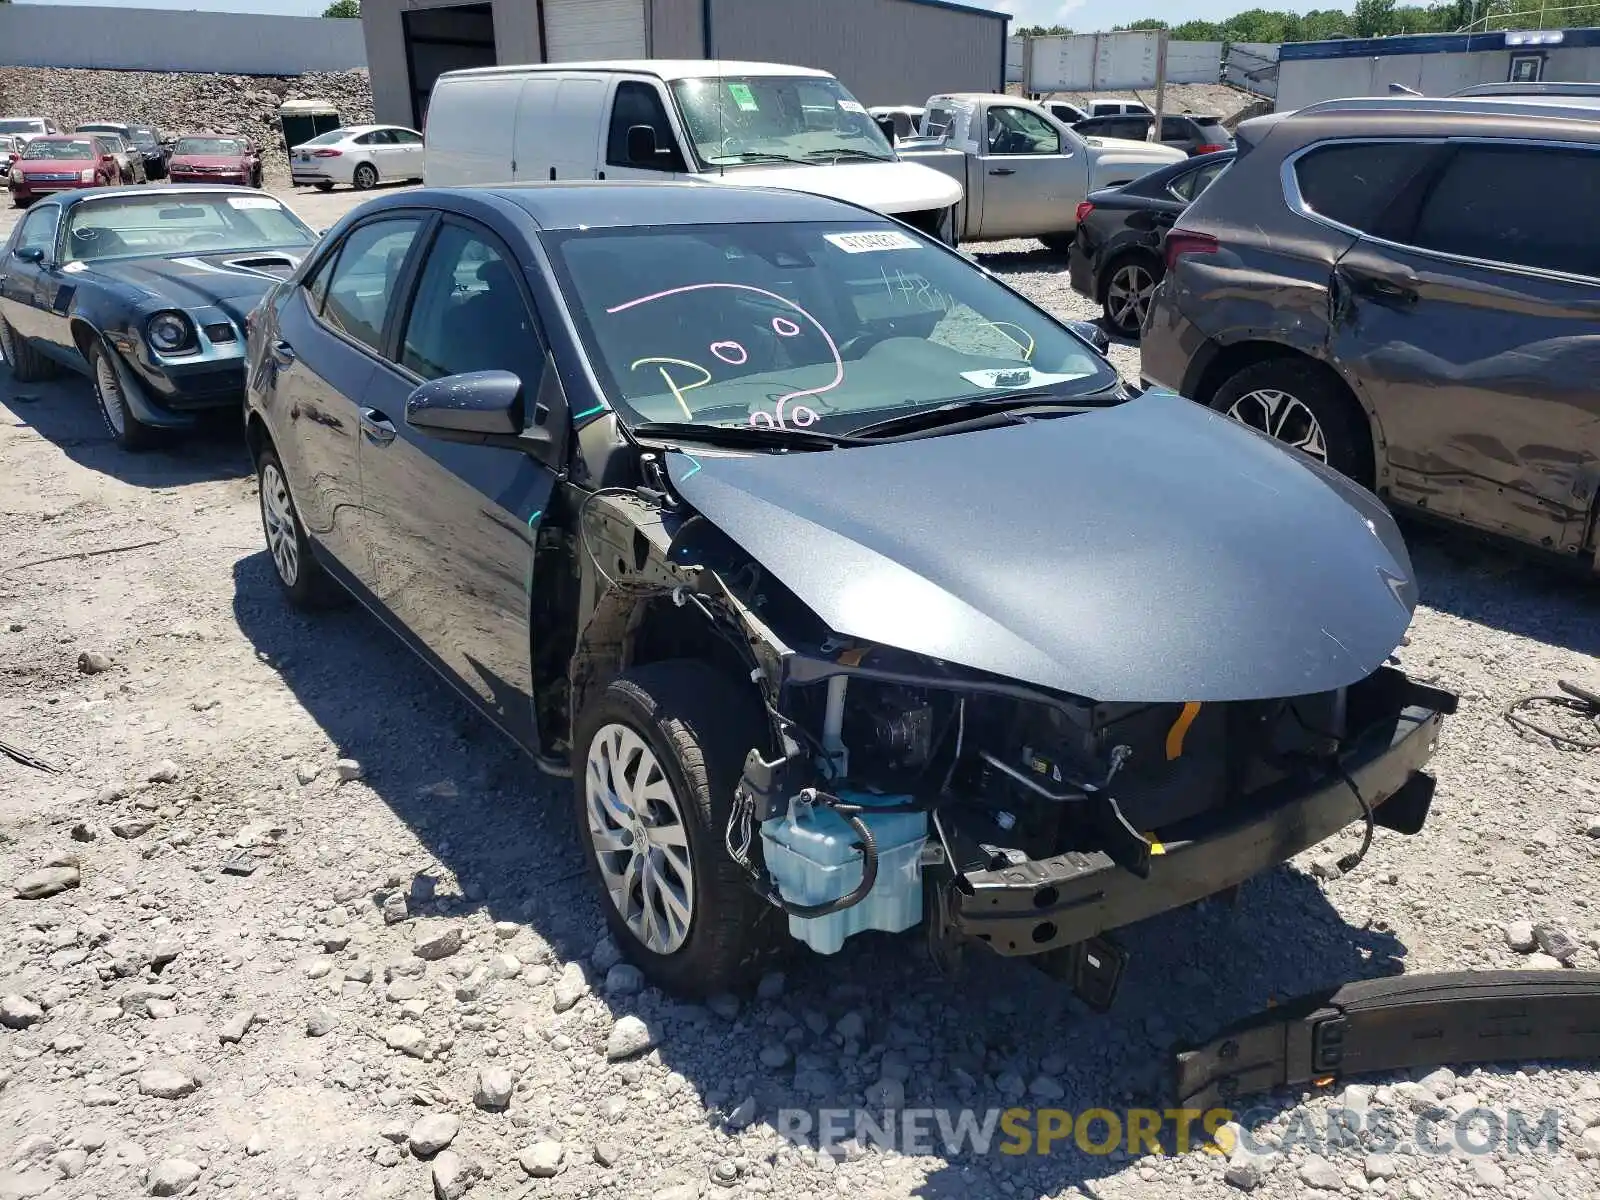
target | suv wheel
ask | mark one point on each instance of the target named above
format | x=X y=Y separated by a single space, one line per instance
x=1300 y=405
x=655 y=760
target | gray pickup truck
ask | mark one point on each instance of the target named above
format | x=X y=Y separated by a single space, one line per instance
x=1023 y=172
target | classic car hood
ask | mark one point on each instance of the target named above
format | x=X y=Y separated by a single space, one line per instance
x=55 y=166
x=232 y=280
x=886 y=187
x=1148 y=552
x=209 y=160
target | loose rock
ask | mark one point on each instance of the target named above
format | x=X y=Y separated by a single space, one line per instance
x=629 y=1036
x=542 y=1159
x=165 y=771
x=453 y=1176
x=570 y=987
x=319 y=1023
x=624 y=979
x=166 y=1083
x=1519 y=936
x=172 y=1177
x=436 y=942
x=348 y=769
x=18 y=1012
x=47 y=881
x=94 y=662
x=432 y=1133
x=132 y=827
x=407 y=1039
x=1557 y=943
x=237 y=1026
x=493 y=1092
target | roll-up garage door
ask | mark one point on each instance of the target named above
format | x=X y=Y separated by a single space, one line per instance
x=593 y=30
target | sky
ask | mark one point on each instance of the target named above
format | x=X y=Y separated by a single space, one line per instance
x=1083 y=15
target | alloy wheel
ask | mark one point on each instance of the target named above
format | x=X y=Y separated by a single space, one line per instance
x=640 y=839
x=1279 y=415
x=1128 y=296
x=366 y=176
x=277 y=518
x=108 y=390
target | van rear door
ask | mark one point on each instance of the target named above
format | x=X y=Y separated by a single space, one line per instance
x=467 y=138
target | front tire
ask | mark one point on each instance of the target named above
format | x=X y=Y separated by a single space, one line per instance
x=654 y=763
x=1130 y=283
x=365 y=177
x=126 y=429
x=303 y=579
x=1299 y=404
x=27 y=365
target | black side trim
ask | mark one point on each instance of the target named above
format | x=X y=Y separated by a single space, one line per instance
x=1391 y=1024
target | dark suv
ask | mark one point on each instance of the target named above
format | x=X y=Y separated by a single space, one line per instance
x=1409 y=290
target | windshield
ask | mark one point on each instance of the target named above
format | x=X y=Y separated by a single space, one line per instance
x=739 y=121
x=143 y=136
x=99 y=127
x=76 y=148
x=21 y=125
x=832 y=326
x=208 y=145
x=131 y=225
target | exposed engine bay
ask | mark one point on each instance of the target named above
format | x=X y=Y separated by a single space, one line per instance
x=898 y=789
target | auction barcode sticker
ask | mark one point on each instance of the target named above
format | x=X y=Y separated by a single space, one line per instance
x=865 y=243
x=247 y=202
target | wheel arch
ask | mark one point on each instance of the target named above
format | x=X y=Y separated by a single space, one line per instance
x=1119 y=256
x=1230 y=359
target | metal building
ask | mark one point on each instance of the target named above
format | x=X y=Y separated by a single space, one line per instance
x=885 y=51
x=1434 y=64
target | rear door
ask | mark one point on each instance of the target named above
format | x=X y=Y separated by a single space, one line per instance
x=409 y=153
x=449 y=528
x=330 y=331
x=1031 y=175
x=534 y=138
x=578 y=122
x=1472 y=315
x=379 y=147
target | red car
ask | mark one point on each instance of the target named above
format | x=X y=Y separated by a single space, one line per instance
x=213 y=158
x=61 y=162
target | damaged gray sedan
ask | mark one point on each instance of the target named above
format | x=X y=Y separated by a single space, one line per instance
x=853 y=591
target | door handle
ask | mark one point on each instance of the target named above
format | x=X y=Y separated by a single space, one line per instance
x=1002 y=171
x=378 y=428
x=282 y=351
x=1382 y=289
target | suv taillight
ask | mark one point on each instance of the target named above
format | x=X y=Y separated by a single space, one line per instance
x=1210 y=148
x=1084 y=210
x=1181 y=242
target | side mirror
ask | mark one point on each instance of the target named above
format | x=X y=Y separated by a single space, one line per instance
x=482 y=408
x=1094 y=335
x=32 y=254
x=643 y=150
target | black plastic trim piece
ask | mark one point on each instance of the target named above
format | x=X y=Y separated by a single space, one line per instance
x=1394 y=1024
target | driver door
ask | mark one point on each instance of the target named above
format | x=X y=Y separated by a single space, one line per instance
x=639 y=102
x=1023 y=169
x=23 y=284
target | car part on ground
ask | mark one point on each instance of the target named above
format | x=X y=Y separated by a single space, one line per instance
x=1392 y=1024
x=146 y=292
x=1347 y=284
x=808 y=635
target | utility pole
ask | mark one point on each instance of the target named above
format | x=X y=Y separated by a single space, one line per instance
x=1161 y=85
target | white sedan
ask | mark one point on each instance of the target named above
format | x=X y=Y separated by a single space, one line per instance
x=361 y=155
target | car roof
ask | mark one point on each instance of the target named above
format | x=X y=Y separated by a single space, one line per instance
x=1579 y=108
x=661 y=68
x=165 y=192
x=587 y=204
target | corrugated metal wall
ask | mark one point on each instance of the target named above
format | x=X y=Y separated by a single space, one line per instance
x=151 y=39
x=885 y=51
x=675 y=29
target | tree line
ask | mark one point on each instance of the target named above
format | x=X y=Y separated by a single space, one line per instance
x=1369 y=18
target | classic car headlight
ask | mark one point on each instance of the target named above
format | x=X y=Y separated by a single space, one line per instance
x=169 y=331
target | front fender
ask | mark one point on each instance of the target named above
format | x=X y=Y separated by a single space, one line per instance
x=134 y=394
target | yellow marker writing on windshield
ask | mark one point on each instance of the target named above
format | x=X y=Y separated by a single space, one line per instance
x=677 y=392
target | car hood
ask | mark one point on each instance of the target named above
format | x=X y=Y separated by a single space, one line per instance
x=1149 y=552
x=232 y=280
x=210 y=160
x=886 y=187
x=55 y=166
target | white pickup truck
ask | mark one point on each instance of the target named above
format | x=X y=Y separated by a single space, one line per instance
x=1023 y=172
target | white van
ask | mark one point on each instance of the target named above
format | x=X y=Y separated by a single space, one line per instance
x=739 y=123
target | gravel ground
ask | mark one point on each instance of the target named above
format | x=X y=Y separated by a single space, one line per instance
x=321 y=933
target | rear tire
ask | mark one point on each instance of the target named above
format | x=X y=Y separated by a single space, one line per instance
x=1060 y=243
x=365 y=177
x=1126 y=288
x=303 y=578
x=126 y=429
x=671 y=738
x=26 y=364
x=324 y=187
x=1298 y=403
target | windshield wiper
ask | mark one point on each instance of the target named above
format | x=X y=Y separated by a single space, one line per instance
x=848 y=152
x=761 y=156
x=755 y=436
x=1003 y=409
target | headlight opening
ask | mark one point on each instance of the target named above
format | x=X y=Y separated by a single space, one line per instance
x=169 y=332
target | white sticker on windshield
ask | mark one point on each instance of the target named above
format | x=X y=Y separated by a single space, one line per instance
x=865 y=243
x=1018 y=377
x=72 y=268
x=252 y=202
x=851 y=106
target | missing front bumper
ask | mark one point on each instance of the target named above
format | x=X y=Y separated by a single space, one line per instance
x=1034 y=906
